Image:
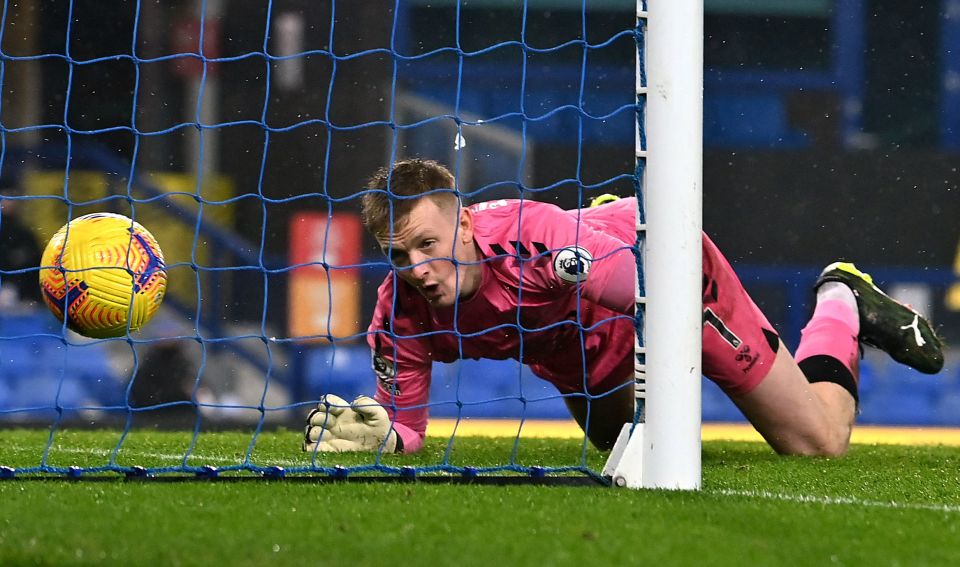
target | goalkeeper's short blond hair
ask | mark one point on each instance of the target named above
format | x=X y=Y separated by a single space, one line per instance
x=407 y=178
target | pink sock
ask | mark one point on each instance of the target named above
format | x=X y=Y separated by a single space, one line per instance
x=832 y=331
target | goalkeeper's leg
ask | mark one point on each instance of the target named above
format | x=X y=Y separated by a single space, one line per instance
x=807 y=404
x=798 y=417
x=806 y=408
x=602 y=417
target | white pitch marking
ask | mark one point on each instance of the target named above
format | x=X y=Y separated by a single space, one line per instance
x=164 y=456
x=842 y=500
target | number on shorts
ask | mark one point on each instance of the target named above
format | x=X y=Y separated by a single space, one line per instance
x=712 y=319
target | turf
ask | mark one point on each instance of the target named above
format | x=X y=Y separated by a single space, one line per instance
x=883 y=505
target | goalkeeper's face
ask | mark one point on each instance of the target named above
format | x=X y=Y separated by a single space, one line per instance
x=424 y=242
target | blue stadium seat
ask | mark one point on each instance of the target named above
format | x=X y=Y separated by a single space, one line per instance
x=344 y=371
x=5 y=395
x=30 y=323
x=487 y=380
x=32 y=368
x=947 y=409
x=898 y=405
x=559 y=128
x=748 y=119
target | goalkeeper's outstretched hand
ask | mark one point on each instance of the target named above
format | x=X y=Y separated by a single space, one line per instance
x=337 y=426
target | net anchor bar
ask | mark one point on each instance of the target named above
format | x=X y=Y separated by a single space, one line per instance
x=624 y=466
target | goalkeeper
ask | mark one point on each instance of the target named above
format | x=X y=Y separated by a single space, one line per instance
x=555 y=289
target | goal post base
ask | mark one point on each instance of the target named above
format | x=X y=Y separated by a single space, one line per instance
x=624 y=466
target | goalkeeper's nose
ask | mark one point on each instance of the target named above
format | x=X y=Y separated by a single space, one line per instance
x=420 y=267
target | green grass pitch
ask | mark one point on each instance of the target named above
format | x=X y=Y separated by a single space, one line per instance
x=881 y=505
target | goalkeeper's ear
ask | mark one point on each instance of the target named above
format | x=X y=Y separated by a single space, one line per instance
x=465 y=228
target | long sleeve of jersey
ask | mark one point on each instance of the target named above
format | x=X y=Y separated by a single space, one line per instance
x=402 y=362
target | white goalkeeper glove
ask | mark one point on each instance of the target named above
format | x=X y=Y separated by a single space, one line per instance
x=336 y=426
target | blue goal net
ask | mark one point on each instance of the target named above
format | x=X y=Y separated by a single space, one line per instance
x=243 y=136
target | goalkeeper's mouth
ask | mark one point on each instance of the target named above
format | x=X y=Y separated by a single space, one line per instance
x=432 y=292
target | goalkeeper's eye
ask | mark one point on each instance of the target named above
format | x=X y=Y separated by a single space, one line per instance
x=398 y=258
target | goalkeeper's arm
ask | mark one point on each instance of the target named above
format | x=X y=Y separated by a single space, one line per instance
x=361 y=425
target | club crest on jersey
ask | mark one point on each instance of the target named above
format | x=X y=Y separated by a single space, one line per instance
x=572 y=264
x=386 y=373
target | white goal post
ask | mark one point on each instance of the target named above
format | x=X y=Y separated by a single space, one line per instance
x=664 y=450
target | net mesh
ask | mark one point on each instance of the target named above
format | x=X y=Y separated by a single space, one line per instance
x=223 y=350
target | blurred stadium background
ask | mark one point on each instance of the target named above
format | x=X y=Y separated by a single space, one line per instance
x=832 y=130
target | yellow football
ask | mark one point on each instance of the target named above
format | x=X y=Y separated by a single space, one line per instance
x=105 y=272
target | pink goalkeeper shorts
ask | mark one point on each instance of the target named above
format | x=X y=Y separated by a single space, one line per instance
x=739 y=344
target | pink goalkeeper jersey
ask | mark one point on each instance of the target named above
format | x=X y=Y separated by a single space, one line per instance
x=548 y=272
